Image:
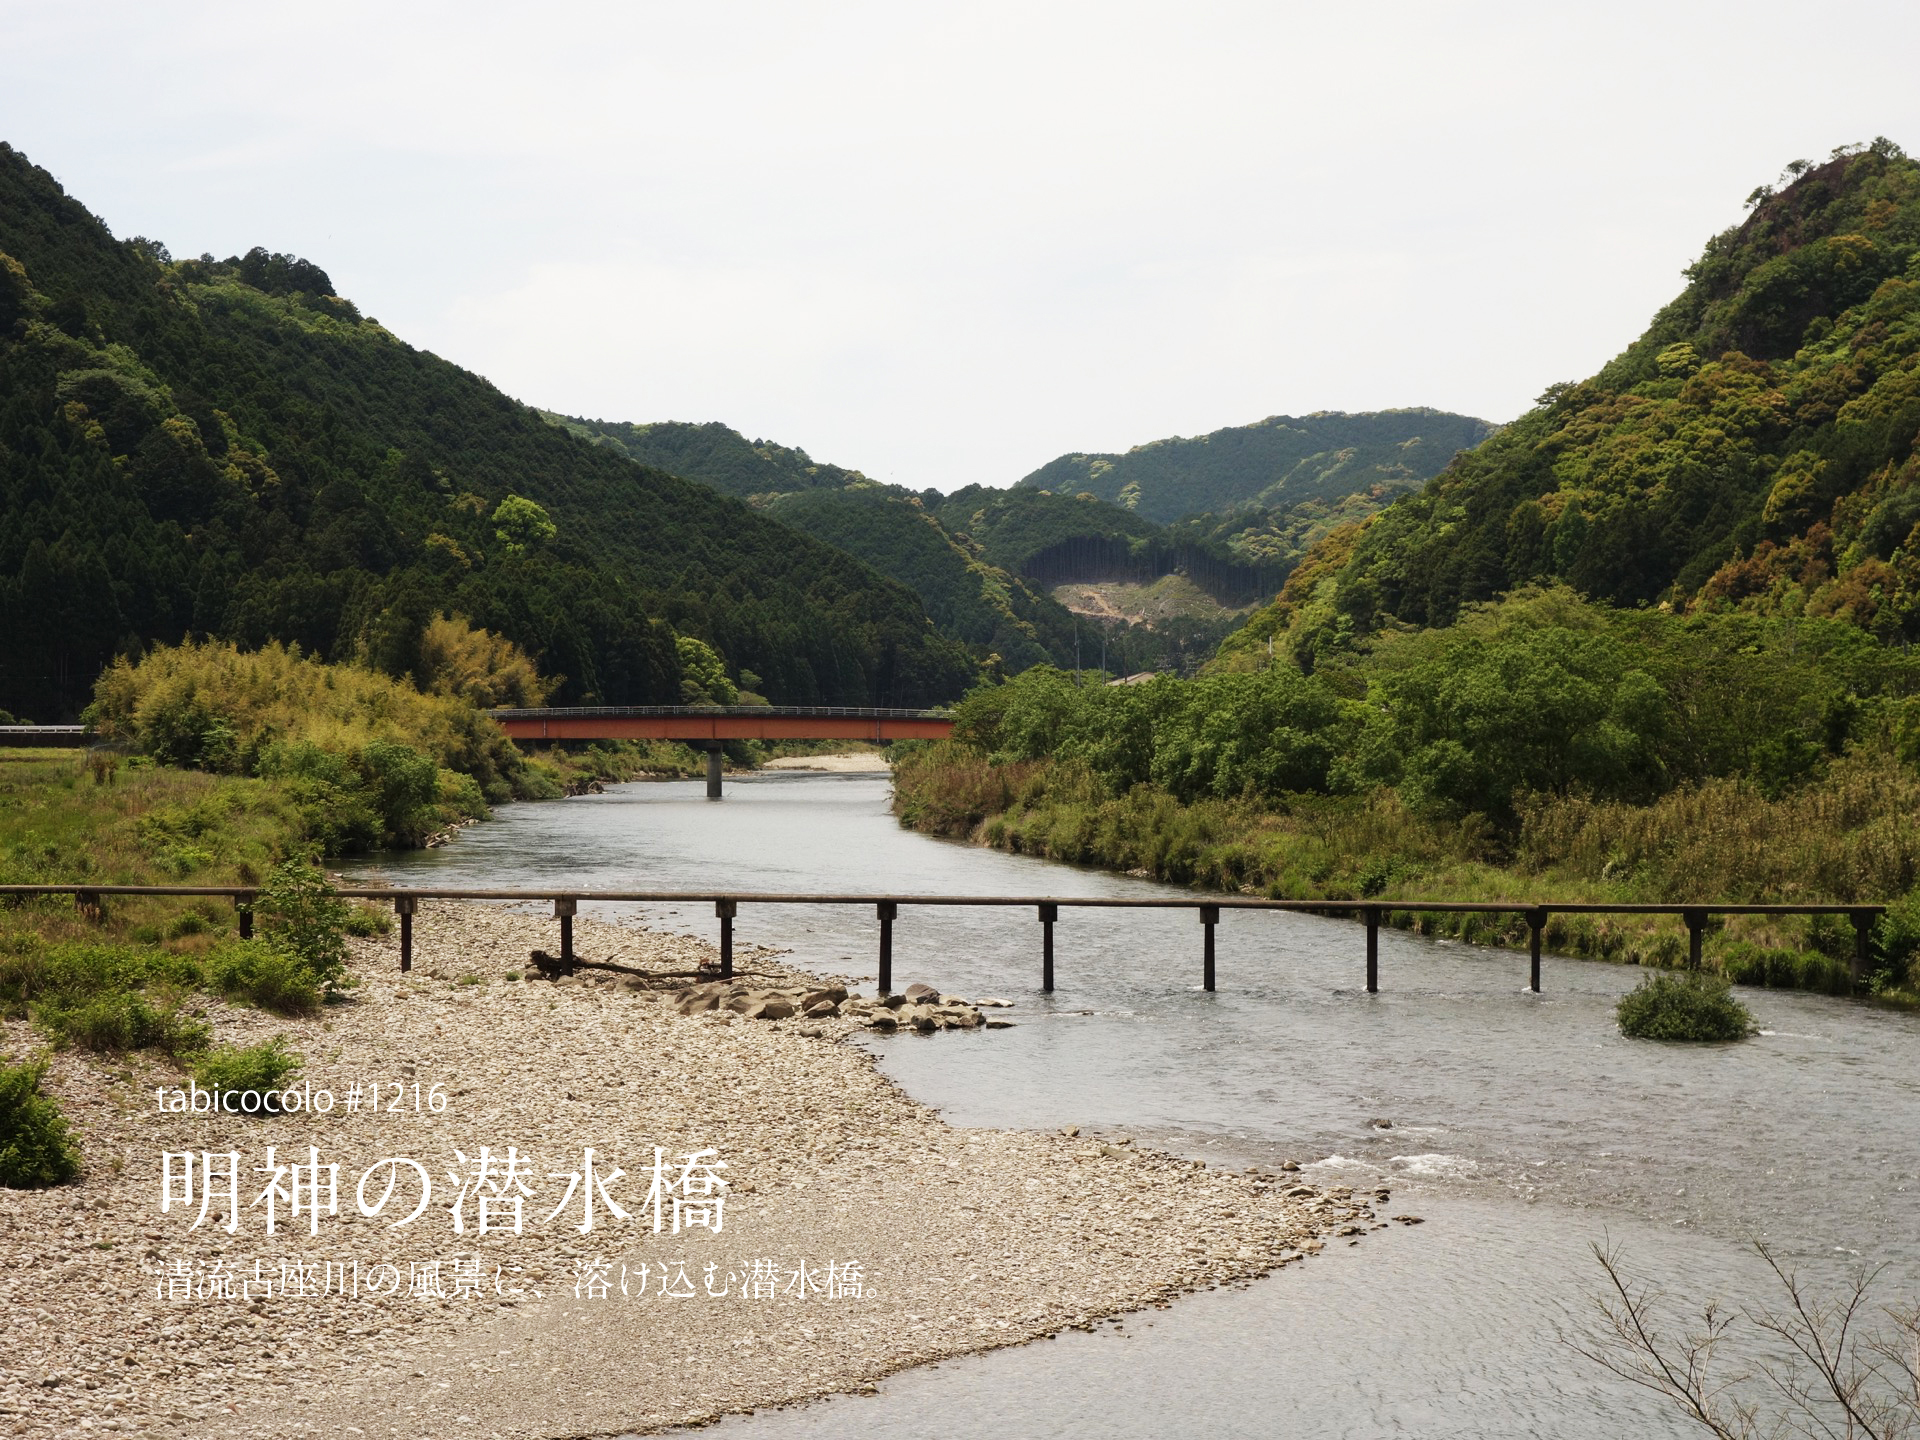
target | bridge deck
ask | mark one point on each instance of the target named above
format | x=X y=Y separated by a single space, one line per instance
x=41 y=737
x=566 y=904
x=694 y=724
x=708 y=724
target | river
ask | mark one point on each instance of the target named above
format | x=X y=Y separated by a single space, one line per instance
x=1522 y=1128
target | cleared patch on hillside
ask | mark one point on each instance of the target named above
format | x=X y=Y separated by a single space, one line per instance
x=1170 y=598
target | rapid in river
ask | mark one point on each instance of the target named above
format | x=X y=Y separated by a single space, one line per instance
x=1522 y=1128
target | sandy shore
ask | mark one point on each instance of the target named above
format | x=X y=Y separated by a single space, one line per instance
x=959 y=1240
x=854 y=762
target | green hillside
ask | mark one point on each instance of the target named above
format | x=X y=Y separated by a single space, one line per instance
x=229 y=448
x=981 y=560
x=1754 y=449
x=713 y=454
x=970 y=599
x=1275 y=464
x=1057 y=539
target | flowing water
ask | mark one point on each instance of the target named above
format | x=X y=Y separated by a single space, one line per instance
x=1523 y=1128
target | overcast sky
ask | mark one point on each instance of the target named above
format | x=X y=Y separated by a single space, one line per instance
x=944 y=243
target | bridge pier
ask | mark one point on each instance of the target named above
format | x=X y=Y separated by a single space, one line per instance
x=712 y=748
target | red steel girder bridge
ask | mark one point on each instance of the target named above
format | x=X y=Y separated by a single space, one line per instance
x=709 y=726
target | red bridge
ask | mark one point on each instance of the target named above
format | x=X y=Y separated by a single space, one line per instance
x=708 y=726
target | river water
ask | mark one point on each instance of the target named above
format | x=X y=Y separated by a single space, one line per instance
x=1523 y=1128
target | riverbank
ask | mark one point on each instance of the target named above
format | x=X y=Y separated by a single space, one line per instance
x=1851 y=839
x=964 y=1239
x=68 y=816
x=852 y=762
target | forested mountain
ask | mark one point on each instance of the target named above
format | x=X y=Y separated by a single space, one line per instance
x=893 y=529
x=1275 y=541
x=980 y=559
x=229 y=448
x=1274 y=464
x=966 y=596
x=713 y=454
x=1754 y=449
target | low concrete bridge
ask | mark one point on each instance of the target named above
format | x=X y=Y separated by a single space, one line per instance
x=710 y=726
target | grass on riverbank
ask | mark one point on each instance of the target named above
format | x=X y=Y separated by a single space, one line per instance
x=147 y=993
x=1852 y=837
x=63 y=819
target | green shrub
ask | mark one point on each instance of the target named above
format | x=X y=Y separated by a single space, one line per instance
x=36 y=1147
x=183 y=728
x=191 y=923
x=462 y=795
x=1683 y=1006
x=338 y=813
x=304 y=917
x=262 y=973
x=117 y=998
x=358 y=750
x=1897 y=943
x=117 y=1022
x=538 y=780
x=385 y=793
x=184 y=839
x=369 y=922
x=251 y=1069
x=1831 y=936
x=96 y=997
x=32 y=971
x=404 y=785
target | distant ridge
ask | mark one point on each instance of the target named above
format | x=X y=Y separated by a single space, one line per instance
x=1273 y=464
x=712 y=453
x=982 y=560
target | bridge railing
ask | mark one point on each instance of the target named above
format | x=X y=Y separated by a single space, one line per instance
x=76 y=736
x=64 y=737
x=1047 y=908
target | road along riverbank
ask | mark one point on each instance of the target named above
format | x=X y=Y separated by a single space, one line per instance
x=858 y=1233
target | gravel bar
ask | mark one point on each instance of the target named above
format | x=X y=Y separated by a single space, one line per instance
x=963 y=1239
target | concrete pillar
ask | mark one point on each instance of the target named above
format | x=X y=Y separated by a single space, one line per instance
x=713 y=771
